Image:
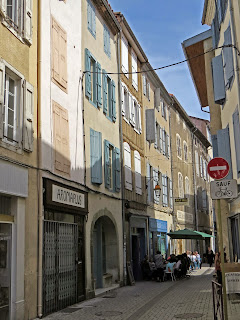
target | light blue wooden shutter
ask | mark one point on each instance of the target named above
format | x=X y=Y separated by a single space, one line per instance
x=96 y=156
x=218 y=79
x=117 y=170
x=224 y=149
x=89 y=15
x=214 y=145
x=105 y=39
x=228 y=58
x=219 y=10
x=99 y=86
x=105 y=92
x=215 y=31
x=107 y=164
x=88 y=74
x=113 y=100
x=236 y=130
x=93 y=21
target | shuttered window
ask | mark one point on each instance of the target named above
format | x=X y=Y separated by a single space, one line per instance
x=185 y=151
x=236 y=131
x=224 y=148
x=164 y=191
x=150 y=125
x=93 y=80
x=218 y=79
x=61 y=139
x=59 y=55
x=201 y=167
x=127 y=166
x=124 y=55
x=148 y=183
x=155 y=182
x=228 y=58
x=109 y=97
x=170 y=194
x=91 y=18
x=106 y=41
x=14 y=129
x=204 y=199
x=96 y=156
x=134 y=70
x=117 y=170
x=164 y=148
x=112 y=168
x=138 y=177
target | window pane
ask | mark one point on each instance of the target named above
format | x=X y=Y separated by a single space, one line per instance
x=10 y=117
x=11 y=86
x=10 y=133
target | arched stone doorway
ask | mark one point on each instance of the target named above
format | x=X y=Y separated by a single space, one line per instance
x=105 y=253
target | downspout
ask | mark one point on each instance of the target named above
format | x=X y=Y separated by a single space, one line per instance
x=172 y=250
x=121 y=152
x=39 y=160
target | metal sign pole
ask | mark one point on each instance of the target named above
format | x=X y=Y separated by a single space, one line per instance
x=222 y=259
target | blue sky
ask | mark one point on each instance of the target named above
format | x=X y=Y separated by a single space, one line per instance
x=160 y=27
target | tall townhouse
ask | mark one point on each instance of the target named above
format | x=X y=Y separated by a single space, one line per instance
x=63 y=200
x=104 y=236
x=156 y=102
x=190 y=179
x=217 y=86
x=18 y=159
x=134 y=191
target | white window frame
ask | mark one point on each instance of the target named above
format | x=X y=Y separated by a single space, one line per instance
x=134 y=70
x=179 y=147
x=21 y=27
x=124 y=56
x=180 y=185
x=164 y=191
x=138 y=123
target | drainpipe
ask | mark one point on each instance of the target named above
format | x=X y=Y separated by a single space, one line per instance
x=121 y=152
x=39 y=160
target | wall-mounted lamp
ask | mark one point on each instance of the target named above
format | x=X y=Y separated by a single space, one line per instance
x=157 y=190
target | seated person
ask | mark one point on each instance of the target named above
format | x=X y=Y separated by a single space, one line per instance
x=169 y=266
x=177 y=268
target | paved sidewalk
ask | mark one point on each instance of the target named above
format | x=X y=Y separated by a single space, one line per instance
x=150 y=300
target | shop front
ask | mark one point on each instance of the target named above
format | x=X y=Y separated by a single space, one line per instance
x=65 y=209
x=138 y=243
x=158 y=237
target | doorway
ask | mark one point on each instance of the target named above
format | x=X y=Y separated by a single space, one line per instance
x=5 y=270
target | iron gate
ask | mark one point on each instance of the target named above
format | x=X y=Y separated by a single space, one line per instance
x=59 y=265
x=217 y=301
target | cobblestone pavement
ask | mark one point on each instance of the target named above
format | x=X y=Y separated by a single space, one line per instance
x=150 y=300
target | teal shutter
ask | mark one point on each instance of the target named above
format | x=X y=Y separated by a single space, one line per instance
x=218 y=79
x=106 y=164
x=89 y=15
x=228 y=58
x=96 y=156
x=93 y=21
x=113 y=101
x=105 y=39
x=99 y=86
x=117 y=170
x=224 y=149
x=88 y=73
x=105 y=92
x=236 y=130
x=219 y=10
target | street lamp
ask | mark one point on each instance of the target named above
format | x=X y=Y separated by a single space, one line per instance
x=157 y=189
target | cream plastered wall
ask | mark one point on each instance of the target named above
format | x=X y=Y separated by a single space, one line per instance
x=23 y=58
x=157 y=159
x=68 y=16
x=179 y=165
x=94 y=118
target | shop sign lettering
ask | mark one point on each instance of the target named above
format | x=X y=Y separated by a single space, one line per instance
x=233 y=282
x=67 y=196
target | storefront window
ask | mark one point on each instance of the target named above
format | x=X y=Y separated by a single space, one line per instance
x=161 y=242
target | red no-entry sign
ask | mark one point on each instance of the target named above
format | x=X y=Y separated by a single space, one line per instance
x=218 y=168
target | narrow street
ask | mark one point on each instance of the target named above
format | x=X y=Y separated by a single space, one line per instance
x=150 y=300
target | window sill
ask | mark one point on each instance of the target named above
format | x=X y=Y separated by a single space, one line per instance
x=11 y=147
x=13 y=31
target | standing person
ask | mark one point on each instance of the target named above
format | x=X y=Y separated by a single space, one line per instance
x=210 y=257
x=199 y=261
x=159 y=263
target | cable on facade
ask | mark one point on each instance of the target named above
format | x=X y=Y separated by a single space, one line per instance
x=169 y=65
